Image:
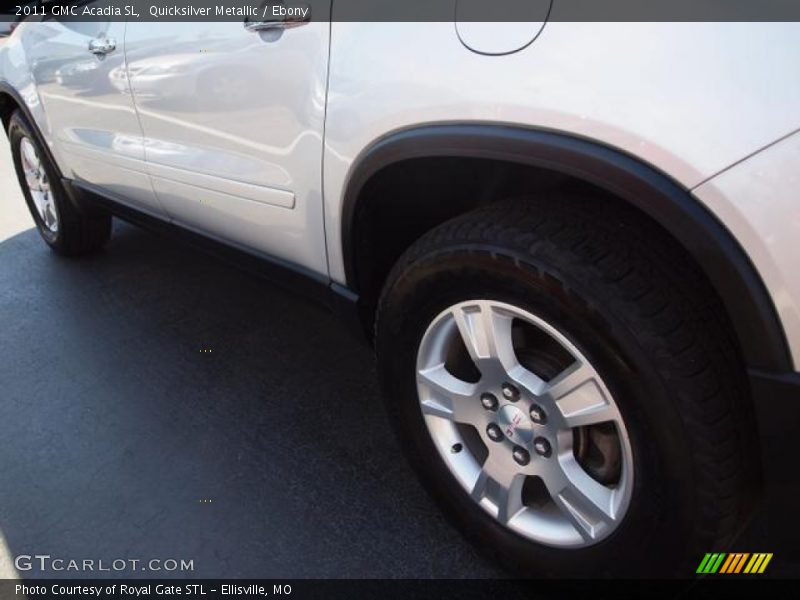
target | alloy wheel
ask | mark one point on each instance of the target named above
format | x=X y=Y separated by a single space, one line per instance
x=38 y=185
x=525 y=423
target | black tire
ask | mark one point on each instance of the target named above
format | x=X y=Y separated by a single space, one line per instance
x=634 y=304
x=78 y=234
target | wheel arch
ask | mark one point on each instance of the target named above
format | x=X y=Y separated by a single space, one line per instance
x=720 y=256
x=10 y=101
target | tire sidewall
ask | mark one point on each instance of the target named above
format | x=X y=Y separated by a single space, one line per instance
x=659 y=517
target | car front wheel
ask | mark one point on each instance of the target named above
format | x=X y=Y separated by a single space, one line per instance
x=64 y=228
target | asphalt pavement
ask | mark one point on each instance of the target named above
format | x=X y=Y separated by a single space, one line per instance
x=156 y=403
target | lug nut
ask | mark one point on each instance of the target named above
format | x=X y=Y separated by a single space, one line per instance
x=537 y=415
x=510 y=392
x=456 y=448
x=521 y=455
x=542 y=447
x=494 y=432
x=489 y=401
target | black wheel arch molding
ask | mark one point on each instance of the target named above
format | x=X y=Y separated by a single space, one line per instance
x=76 y=199
x=726 y=264
x=7 y=88
x=717 y=252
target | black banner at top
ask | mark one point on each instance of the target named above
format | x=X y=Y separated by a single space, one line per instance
x=405 y=10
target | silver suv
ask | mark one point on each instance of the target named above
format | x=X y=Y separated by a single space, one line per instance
x=573 y=245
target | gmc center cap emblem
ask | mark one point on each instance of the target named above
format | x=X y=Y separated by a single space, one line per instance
x=515 y=425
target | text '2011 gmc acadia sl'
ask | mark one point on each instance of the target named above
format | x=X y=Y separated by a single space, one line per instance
x=574 y=246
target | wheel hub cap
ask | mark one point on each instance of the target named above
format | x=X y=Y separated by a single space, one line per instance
x=515 y=425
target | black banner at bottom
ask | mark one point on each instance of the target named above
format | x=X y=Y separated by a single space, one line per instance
x=381 y=589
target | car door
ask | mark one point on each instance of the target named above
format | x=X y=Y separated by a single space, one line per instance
x=79 y=70
x=233 y=120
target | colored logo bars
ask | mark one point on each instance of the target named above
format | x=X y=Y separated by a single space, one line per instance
x=737 y=562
